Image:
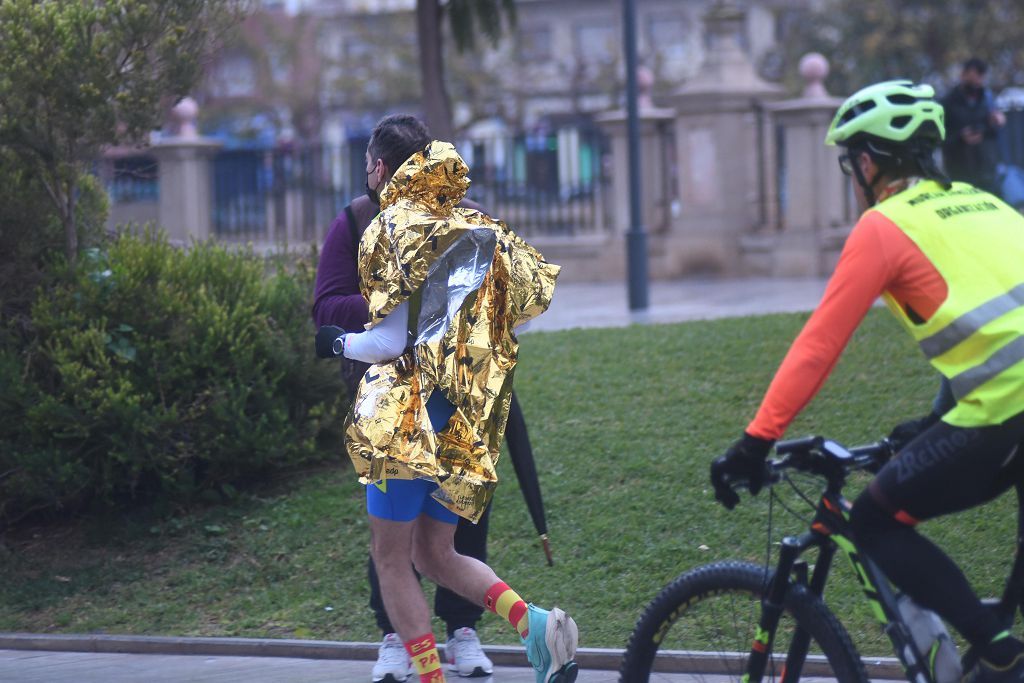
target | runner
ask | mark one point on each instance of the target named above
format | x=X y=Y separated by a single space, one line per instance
x=445 y=287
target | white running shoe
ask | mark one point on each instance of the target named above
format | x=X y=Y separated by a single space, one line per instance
x=465 y=656
x=393 y=663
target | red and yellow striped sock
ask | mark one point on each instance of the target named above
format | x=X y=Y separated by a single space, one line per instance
x=423 y=651
x=507 y=604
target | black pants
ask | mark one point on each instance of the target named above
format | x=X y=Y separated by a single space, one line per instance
x=945 y=469
x=470 y=539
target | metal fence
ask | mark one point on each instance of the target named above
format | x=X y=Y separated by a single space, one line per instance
x=550 y=183
x=130 y=179
x=279 y=195
x=553 y=183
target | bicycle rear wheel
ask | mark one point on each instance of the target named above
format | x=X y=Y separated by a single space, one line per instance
x=704 y=623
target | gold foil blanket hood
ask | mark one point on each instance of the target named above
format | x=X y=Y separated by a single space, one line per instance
x=469 y=281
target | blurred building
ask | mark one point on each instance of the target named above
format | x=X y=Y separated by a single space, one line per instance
x=286 y=110
x=564 y=56
x=329 y=68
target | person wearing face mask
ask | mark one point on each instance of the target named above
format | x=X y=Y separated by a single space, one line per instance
x=338 y=301
x=970 y=152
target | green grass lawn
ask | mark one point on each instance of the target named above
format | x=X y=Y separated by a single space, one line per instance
x=623 y=422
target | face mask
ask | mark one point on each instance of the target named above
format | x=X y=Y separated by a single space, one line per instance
x=372 y=193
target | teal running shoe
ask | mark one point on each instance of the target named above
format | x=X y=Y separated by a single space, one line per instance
x=551 y=645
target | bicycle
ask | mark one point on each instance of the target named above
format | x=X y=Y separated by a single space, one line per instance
x=752 y=600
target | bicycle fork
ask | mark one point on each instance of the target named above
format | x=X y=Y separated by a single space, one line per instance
x=772 y=606
x=873 y=583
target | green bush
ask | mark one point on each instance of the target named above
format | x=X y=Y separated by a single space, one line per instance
x=157 y=374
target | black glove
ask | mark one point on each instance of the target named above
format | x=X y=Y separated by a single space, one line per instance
x=326 y=337
x=905 y=432
x=743 y=463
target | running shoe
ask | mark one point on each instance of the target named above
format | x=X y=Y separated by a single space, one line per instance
x=465 y=656
x=551 y=645
x=393 y=663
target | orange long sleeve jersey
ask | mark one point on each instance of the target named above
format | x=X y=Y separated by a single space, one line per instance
x=878 y=257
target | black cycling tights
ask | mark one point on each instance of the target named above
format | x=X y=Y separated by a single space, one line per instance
x=945 y=469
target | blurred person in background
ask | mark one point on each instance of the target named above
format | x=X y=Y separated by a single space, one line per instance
x=970 y=152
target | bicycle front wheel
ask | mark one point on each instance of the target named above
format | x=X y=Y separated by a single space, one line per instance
x=704 y=623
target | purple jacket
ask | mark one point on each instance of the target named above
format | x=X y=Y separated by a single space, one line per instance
x=336 y=297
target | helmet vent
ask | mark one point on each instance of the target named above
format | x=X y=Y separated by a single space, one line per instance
x=856 y=111
x=901 y=121
x=901 y=98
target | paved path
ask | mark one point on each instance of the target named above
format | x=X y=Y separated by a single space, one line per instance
x=575 y=305
x=605 y=304
x=20 y=666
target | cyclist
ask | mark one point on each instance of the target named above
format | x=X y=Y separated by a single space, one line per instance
x=948 y=259
x=444 y=288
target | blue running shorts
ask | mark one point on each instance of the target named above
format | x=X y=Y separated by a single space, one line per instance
x=403 y=500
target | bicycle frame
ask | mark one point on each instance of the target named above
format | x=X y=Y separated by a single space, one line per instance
x=831 y=532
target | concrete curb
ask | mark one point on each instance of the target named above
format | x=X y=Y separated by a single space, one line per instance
x=607 y=659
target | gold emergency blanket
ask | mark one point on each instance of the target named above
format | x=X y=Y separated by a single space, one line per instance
x=469 y=281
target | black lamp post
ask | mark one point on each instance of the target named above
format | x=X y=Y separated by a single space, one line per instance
x=636 y=237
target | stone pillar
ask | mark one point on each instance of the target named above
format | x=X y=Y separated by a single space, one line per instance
x=654 y=136
x=186 y=188
x=811 y=219
x=722 y=151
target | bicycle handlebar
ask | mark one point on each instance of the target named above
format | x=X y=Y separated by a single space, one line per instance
x=818 y=455
x=813 y=454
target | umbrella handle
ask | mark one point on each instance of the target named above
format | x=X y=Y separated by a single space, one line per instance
x=547 y=549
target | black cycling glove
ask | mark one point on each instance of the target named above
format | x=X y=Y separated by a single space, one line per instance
x=742 y=464
x=905 y=432
x=326 y=337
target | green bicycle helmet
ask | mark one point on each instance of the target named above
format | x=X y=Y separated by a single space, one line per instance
x=893 y=112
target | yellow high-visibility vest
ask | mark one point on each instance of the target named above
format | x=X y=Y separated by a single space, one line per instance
x=976 y=337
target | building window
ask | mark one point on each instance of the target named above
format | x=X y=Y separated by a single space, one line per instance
x=280 y=69
x=597 y=43
x=535 y=44
x=235 y=77
x=669 y=36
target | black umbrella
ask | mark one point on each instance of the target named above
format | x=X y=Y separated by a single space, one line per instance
x=521 y=452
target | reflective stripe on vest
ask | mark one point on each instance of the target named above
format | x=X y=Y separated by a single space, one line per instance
x=997 y=363
x=976 y=336
x=972 y=321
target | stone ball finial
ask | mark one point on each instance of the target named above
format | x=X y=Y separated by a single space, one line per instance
x=184 y=115
x=813 y=68
x=644 y=87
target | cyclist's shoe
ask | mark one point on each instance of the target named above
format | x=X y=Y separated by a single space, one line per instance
x=551 y=645
x=465 y=656
x=987 y=672
x=393 y=663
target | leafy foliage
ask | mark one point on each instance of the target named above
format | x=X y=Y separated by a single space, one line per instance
x=78 y=74
x=466 y=17
x=918 y=39
x=156 y=373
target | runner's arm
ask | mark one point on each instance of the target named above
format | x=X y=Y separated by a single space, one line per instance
x=385 y=341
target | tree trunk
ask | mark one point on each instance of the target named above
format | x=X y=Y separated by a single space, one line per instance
x=437 y=107
x=70 y=223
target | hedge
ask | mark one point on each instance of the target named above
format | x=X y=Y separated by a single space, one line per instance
x=152 y=373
